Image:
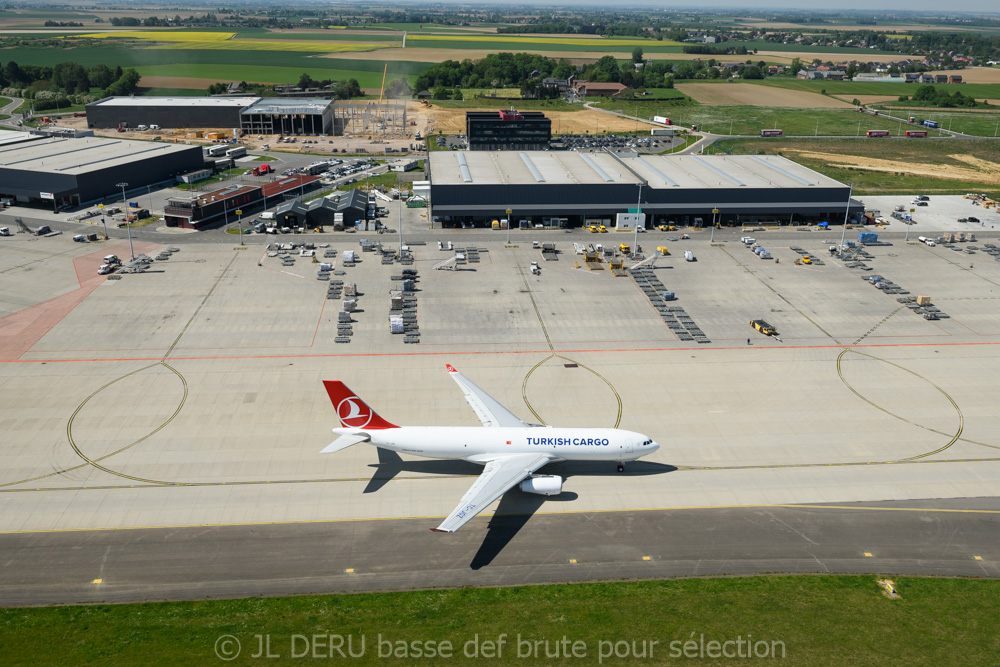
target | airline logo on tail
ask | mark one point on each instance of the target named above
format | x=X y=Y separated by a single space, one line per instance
x=352 y=411
x=353 y=415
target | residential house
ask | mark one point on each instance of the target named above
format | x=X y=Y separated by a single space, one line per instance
x=594 y=89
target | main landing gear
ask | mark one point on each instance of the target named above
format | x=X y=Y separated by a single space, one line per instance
x=621 y=467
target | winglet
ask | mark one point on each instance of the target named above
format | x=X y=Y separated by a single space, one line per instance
x=451 y=369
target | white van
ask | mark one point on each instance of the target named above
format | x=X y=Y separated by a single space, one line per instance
x=267 y=215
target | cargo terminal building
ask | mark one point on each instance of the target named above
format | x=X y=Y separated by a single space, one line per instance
x=542 y=187
x=252 y=115
x=172 y=112
x=63 y=173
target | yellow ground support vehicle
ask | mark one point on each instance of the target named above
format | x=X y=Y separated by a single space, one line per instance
x=662 y=249
x=624 y=248
x=763 y=327
x=593 y=229
x=667 y=228
x=602 y=229
x=806 y=259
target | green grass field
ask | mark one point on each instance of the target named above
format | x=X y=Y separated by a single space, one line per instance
x=597 y=46
x=915 y=152
x=977 y=123
x=267 y=74
x=979 y=91
x=807 y=620
x=522 y=105
x=172 y=92
x=750 y=120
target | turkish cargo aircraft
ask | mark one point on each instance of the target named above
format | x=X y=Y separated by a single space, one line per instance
x=510 y=449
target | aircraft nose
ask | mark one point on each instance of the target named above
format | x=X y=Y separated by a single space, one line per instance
x=653 y=446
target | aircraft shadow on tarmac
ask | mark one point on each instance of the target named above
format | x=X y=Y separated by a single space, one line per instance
x=516 y=507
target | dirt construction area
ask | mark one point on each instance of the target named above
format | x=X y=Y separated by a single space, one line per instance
x=978 y=170
x=761 y=96
x=452 y=121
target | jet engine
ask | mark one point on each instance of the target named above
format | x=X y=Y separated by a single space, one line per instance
x=546 y=485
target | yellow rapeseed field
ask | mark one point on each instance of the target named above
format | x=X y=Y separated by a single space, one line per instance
x=276 y=45
x=226 y=41
x=163 y=35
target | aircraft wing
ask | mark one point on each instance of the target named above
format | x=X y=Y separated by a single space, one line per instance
x=487 y=408
x=497 y=478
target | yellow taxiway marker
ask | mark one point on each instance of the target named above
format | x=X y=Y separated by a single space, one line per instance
x=646 y=558
x=867 y=555
x=349 y=570
x=978 y=557
x=97 y=581
x=573 y=560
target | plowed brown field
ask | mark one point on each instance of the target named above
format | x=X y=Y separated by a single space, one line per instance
x=755 y=95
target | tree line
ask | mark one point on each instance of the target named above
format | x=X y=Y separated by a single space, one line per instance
x=65 y=83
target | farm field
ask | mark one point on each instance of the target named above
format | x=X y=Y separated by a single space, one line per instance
x=755 y=95
x=890 y=165
x=228 y=41
x=979 y=91
x=534 y=43
x=750 y=120
x=266 y=74
x=975 y=122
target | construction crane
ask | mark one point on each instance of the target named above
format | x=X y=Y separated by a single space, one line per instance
x=382 y=89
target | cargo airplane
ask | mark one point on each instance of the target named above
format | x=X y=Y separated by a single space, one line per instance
x=509 y=449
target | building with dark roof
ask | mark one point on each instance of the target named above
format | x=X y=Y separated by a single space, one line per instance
x=219 y=206
x=172 y=112
x=59 y=172
x=553 y=185
x=507 y=130
x=352 y=207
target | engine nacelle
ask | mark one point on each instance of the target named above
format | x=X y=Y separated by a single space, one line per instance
x=546 y=485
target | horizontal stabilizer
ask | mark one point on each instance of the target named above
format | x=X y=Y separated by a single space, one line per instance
x=345 y=441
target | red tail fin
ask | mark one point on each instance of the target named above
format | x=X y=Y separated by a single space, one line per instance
x=352 y=411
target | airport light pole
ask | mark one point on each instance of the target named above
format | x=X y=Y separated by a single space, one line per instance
x=128 y=224
x=509 y=211
x=715 y=212
x=847 y=211
x=239 y=223
x=638 y=204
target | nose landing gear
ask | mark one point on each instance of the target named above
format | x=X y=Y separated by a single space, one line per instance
x=621 y=467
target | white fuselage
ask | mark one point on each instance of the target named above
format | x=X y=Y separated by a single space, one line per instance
x=473 y=443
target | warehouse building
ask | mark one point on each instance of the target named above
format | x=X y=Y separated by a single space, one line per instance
x=64 y=173
x=341 y=210
x=507 y=130
x=168 y=112
x=568 y=188
x=289 y=117
x=231 y=204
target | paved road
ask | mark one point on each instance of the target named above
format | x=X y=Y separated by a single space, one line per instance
x=942 y=537
x=9 y=111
